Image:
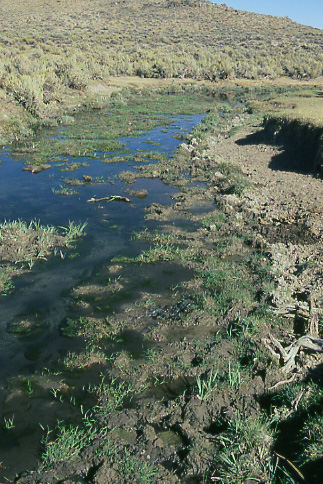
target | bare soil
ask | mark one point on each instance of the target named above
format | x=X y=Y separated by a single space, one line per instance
x=288 y=204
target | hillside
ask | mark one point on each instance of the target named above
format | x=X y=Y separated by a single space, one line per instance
x=163 y=38
x=49 y=48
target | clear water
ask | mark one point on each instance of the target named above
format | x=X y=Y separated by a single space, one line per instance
x=109 y=224
x=43 y=292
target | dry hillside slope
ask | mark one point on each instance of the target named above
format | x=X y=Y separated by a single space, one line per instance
x=51 y=49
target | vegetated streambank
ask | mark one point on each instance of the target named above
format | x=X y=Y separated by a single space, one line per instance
x=197 y=383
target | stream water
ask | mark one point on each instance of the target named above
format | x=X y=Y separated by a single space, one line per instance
x=43 y=291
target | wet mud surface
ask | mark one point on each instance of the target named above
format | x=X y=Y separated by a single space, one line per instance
x=178 y=380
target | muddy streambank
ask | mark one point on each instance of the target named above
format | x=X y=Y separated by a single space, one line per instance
x=303 y=136
x=203 y=382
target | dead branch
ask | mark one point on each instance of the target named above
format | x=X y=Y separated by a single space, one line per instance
x=113 y=198
x=314 y=317
x=282 y=382
x=289 y=353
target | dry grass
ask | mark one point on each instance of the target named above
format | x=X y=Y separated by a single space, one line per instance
x=51 y=51
x=304 y=105
x=305 y=108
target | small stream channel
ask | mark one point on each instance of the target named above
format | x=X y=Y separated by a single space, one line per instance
x=43 y=292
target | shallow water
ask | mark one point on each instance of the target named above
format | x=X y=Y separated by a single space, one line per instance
x=43 y=293
x=109 y=224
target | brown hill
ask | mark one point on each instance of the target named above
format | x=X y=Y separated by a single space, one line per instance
x=48 y=47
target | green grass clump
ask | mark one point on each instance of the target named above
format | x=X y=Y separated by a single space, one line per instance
x=244 y=452
x=312 y=434
x=69 y=441
x=111 y=395
x=127 y=465
x=64 y=191
x=6 y=274
x=228 y=284
x=235 y=181
x=205 y=384
x=85 y=359
x=74 y=328
x=73 y=231
x=159 y=252
x=216 y=219
x=22 y=244
x=208 y=125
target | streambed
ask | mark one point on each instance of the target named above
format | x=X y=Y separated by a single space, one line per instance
x=179 y=333
x=41 y=297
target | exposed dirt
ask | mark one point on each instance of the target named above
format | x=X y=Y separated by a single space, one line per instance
x=287 y=203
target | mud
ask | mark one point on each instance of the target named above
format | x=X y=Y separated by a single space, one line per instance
x=172 y=323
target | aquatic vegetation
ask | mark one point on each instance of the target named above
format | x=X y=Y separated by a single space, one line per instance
x=6 y=274
x=85 y=359
x=73 y=181
x=73 y=327
x=117 y=159
x=18 y=235
x=73 y=231
x=198 y=343
x=215 y=220
x=22 y=244
x=70 y=166
x=64 y=191
x=19 y=227
x=95 y=134
x=149 y=156
x=158 y=252
x=27 y=327
x=9 y=422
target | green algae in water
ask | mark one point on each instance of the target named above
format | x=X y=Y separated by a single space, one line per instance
x=27 y=327
x=33 y=353
x=78 y=147
x=125 y=114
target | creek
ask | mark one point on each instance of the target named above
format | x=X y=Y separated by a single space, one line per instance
x=43 y=292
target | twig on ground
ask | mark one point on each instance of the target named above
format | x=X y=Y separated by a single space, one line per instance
x=289 y=353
